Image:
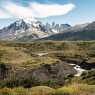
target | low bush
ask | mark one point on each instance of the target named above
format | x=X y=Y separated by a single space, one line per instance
x=76 y=89
x=40 y=90
x=88 y=77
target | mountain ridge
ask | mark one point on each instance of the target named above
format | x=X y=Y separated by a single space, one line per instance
x=79 y=32
x=34 y=29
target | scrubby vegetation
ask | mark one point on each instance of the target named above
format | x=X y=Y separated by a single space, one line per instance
x=88 y=77
x=74 y=89
x=44 y=66
x=40 y=90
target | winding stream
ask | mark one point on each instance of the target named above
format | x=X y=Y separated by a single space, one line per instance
x=76 y=67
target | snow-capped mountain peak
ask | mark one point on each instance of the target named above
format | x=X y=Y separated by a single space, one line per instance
x=29 y=20
x=29 y=27
x=18 y=22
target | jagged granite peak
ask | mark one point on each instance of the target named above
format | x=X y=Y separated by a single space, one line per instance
x=20 y=29
x=90 y=26
x=19 y=24
x=30 y=29
x=77 y=32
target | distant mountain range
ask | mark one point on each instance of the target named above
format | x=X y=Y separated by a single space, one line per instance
x=21 y=30
x=78 y=32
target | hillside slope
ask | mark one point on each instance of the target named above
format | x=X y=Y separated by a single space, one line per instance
x=81 y=32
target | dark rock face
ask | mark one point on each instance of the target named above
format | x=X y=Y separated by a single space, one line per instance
x=45 y=72
x=27 y=77
x=87 y=66
x=55 y=71
x=4 y=71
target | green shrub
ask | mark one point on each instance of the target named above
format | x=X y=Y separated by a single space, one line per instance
x=76 y=89
x=40 y=90
x=88 y=77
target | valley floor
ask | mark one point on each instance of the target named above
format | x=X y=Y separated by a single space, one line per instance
x=47 y=68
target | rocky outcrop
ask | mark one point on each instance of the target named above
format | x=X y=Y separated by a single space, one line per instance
x=45 y=72
x=55 y=71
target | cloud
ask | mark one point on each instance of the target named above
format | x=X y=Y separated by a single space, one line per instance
x=4 y=14
x=34 y=9
x=19 y=11
x=45 y=10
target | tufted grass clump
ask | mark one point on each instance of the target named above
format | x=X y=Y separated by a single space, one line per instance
x=76 y=89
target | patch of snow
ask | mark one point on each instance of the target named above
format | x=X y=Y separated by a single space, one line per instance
x=35 y=24
x=55 y=31
x=43 y=36
x=29 y=20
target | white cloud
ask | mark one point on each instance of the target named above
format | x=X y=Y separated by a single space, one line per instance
x=4 y=14
x=19 y=11
x=45 y=10
x=36 y=10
